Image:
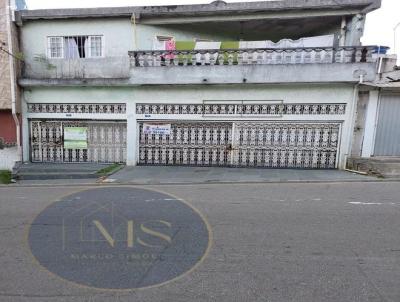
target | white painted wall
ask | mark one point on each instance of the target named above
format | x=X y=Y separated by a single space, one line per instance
x=118 y=34
x=289 y=93
x=8 y=158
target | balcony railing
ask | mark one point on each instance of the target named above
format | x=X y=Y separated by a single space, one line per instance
x=81 y=68
x=265 y=56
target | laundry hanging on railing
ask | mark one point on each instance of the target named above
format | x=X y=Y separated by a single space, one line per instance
x=201 y=45
x=317 y=49
x=252 y=44
x=318 y=41
x=170 y=45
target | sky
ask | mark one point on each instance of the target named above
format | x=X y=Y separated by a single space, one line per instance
x=378 y=30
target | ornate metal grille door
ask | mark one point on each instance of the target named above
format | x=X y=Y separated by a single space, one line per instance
x=247 y=144
x=286 y=145
x=199 y=144
x=106 y=142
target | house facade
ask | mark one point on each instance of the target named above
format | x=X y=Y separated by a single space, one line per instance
x=10 y=109
x=259 y=84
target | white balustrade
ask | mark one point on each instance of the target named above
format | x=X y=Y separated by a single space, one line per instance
x=256 y=56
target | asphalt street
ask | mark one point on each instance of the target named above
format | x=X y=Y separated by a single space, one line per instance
x=300 y=242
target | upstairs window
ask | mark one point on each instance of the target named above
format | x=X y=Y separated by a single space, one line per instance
x=55 y=47
x=75 y=47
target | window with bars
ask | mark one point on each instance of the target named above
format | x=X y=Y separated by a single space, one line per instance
x=75 y=47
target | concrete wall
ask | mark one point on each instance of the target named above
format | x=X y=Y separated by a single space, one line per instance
x=5 y=87
x=79 y=95
x=8 y=131
x=288 y=93
x=365 y=123
x=118 y=40
x=254 y=74
x=8 y=158
x=338 y=93
x=118 y=34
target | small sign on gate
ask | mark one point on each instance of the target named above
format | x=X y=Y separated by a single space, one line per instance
x=75 y=138
x=162 y=129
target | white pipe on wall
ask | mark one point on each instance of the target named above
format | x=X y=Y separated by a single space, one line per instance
x=12 y=78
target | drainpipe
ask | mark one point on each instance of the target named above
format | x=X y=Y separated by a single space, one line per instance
x=394 y=40
x=12 y=78
x=133 y=22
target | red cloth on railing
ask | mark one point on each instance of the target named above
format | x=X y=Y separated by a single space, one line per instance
x=170 y=45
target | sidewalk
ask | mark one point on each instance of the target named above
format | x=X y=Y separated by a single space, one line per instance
x=188 y=175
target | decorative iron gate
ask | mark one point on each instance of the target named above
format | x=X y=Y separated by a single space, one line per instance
x=200 y=144
x=247 y=144
x=106 y=142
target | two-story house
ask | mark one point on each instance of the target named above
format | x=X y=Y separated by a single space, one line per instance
x=256 y=84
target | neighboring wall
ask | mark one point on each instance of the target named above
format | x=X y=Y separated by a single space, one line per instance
x=5 y=88
x=7 y=127
x=8 y=130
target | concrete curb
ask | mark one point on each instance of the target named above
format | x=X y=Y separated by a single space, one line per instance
x=201 y=183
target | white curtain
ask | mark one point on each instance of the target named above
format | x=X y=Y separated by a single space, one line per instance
x=158 y=45
x=70 y=49
x=318 y=41
x=87 y=48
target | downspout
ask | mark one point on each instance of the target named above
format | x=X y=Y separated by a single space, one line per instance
x=12 y=78
x=133 y=22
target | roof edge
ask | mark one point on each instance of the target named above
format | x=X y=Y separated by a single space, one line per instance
x=213 y=8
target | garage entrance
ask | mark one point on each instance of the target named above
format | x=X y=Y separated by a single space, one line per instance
x=242 y=144
x=387 y=141
x=103 y=142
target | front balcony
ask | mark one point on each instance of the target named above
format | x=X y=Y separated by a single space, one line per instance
x=203 y=67
x=252 y=56
x=253 y=66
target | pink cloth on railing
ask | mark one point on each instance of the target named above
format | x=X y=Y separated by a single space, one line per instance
x=170 y=45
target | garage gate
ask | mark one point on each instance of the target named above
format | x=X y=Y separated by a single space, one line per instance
x=387 y=141
x=106 y=142
x=243 y=144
